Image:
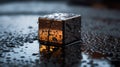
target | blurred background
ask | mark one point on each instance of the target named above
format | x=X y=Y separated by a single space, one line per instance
x=95 y=3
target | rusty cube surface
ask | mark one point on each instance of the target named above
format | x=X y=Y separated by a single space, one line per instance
x=59 y=29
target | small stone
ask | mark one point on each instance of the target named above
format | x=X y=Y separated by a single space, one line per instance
x=26 y=47
x=6 y=50
x=8 y=57
x=8 y=54
x=35 y=54
x=30 y=41
x=30 y=27
x=14 y=58
x=83 y=61
x=22 y=57
x=95 y=64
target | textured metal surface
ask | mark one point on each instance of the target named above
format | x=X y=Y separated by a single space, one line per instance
x=59 y=28
x=72 y=30
x=50 y=31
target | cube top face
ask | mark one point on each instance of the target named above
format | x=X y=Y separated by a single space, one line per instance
x=59 y=29
x=59 y=16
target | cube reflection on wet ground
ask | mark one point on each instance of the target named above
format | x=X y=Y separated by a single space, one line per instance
x=19 y=46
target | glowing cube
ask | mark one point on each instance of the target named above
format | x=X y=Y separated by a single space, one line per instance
x=59 y=29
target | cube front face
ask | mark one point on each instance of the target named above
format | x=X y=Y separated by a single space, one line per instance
x=50 y=32
x=59 y=32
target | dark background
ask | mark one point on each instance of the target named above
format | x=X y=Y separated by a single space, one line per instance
x=96 y=3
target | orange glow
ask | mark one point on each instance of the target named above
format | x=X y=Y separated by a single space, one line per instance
x=45 y=48
x=53 y=36
x=51 y=48
x=43 y=34
x=42 y=48
x=53 y=51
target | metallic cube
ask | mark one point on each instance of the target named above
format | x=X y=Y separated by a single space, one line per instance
x=59 y=29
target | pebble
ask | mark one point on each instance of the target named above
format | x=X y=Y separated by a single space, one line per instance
x=34 y=54
x=6 y=50
x=8 y=57
x=83 y=61
x=30 y=27
x=22 y=57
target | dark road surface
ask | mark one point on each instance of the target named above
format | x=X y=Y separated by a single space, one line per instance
x=19 y=46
